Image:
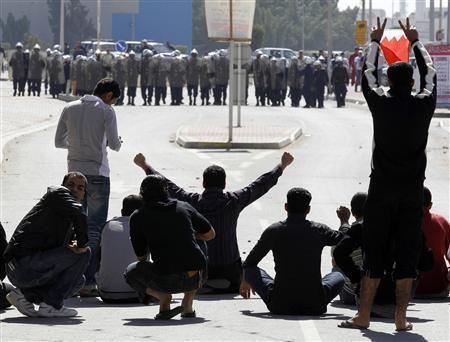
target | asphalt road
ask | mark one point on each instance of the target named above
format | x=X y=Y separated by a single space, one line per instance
x=332 y=160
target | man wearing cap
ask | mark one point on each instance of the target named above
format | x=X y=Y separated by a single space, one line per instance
x=35 y=70
x=17 y=63
x=193 y=76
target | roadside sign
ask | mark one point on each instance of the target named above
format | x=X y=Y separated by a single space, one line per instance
x=361 y=32
x=440 y=53
x=121 y=46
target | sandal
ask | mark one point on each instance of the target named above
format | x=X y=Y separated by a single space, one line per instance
x=168 y=314
x=408 y=327
x=350 y=325
x=189 y=314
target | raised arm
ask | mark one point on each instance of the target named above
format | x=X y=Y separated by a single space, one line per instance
x=263 y=184
x=174 y=190
x=369 y=82
x=424 y=62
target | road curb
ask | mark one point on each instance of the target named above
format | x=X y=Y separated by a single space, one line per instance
x=187 y=142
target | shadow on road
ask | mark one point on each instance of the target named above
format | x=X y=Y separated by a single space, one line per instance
x=44 y=321
x=147 y=322
x=269 y=315
x=398 y=336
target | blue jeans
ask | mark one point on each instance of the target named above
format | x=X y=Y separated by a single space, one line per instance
x=96 y=202
x=48 y=276
x=263 y=283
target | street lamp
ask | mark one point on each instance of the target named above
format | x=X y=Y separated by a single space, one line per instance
x=61 y=25
x=98 y=22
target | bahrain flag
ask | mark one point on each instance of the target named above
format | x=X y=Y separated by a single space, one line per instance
x=395 y=46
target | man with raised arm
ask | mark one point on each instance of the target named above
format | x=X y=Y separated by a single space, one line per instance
x=222 y=209
x=394 y=204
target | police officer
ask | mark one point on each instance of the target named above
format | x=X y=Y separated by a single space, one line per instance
x=54 y=69
x=48 y=56
x=205 y=84
x=160 y=77
x=35 y=70
x=94 y=72
x=119 y=74
x=320 y=81
x=340 y=80
x=294 y=82
x=259 y=70
x=275 y=82
x=17 y=63
x=307 y=83
x=132 y=76
x=222 y=73
x=192 y=76
x=146 y=63
x=176 y=80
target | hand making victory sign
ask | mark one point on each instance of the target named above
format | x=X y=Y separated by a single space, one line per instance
x=410 y=31
x=377 y=32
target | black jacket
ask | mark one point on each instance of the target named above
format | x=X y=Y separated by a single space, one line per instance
x=400 y=121
x=51 y=223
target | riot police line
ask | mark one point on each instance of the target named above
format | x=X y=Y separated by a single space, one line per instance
x=274 y=79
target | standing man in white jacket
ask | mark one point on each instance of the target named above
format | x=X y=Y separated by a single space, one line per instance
x=86 y=127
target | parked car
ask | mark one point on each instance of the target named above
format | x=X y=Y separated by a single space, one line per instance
x=276 y=52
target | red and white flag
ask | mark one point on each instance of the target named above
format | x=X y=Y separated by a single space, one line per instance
x=395 y=46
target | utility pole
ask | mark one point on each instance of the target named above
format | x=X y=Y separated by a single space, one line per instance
x=440 y=15
x=61 y=25
x=370 y=15
x=98 y=23
x=432 y=21
x=329 y=37
x=363 y=14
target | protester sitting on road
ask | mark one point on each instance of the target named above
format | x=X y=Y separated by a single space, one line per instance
x=435 y=283
x=348 y=257
x=167 y=229
x=357 y=203
x=48 y=254
x=222 y=209
x=116 y=254
x=395 y=198
x=5 y=288
x=296 y=244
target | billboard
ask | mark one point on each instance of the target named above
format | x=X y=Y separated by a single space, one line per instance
x=441 y=59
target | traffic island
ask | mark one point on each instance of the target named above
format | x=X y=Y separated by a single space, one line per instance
x=249 y=136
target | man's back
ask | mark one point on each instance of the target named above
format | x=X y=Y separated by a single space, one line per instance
x=85 y=128
x=116 y=254
x=400 y=121
x=296 y=244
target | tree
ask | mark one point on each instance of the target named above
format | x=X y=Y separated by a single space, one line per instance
x=14 y=30
x=77 y=25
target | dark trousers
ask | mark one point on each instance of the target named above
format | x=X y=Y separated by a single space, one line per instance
x=295 y=96
x=142 y=275
x=393 y=215
x=192 y=90
x=122 y=95
x=176 y=94
x=131 y=91
x=275 y=96
x=204 y=94
x=263 y=284
x=36 y=86
x=221 y=93
x=147 y=93
x=19 y=84
x=340 y=90
x=48 y=276
x=318 y=97
x=260 y=95
x=96 y=202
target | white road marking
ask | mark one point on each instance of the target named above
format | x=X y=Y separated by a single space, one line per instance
x=257 y=206
x=309 y=330
x=262 y=155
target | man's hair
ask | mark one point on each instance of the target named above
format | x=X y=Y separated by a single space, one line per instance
x=400 y=74
x=154 y=189
x=298 y=200
x=358 y=203
x=107 y=85
x=74 y=174
x=214 y=176
x=130 y=204
x=427 y=198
